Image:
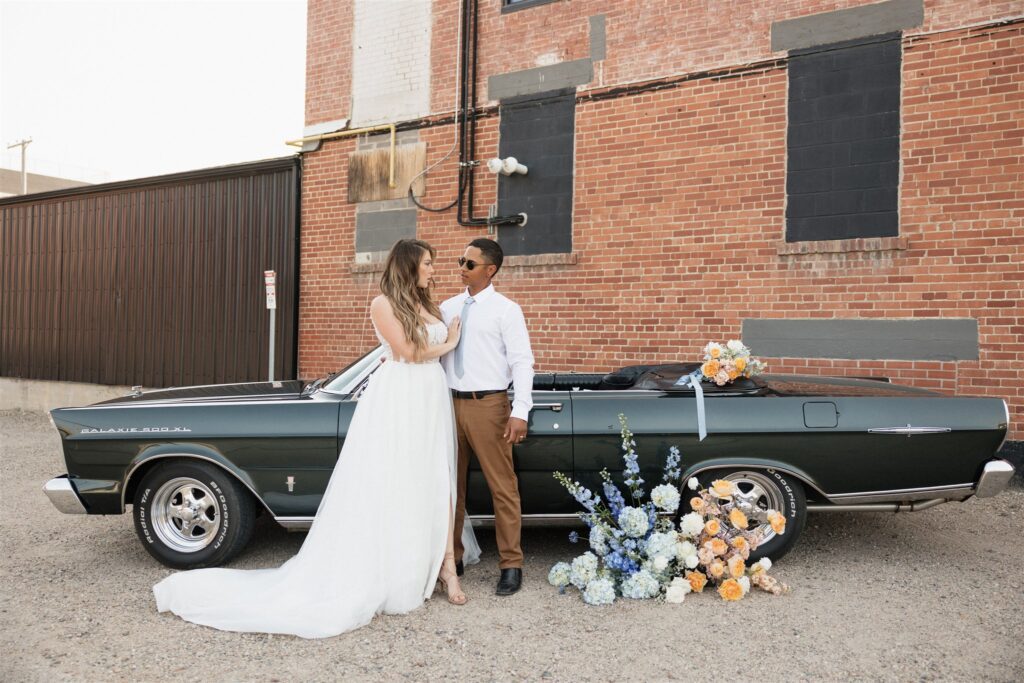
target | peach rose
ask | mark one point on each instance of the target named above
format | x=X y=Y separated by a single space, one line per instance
x=740 y=543
x=737 y=566
x=723 y=488
x=732 y=373
x=697 y=504
x=738 y=519
x=712 y=527
x=731 y=590
x=778 y=521
x=711 y=368
x=741 y=364
x=697 y=581
x=718 y=546
x=716 y=569
x=715 y=352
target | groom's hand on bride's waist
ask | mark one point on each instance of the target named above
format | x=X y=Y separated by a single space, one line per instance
x=515 y=430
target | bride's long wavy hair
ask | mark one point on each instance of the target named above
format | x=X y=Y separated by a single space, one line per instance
x=400 y=284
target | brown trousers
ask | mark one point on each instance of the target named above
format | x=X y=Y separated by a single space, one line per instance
x=480 y=424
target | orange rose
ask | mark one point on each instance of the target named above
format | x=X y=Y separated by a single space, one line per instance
x=741 y=364
x=738 y=519
x=712 y=527
x=723 y=488
x=697 y=581
x=740 y=543
x=731 y=590
x=716 y=569
x=737 y=566
x=711 y=368
x=697 y=504
x=778 y=521
x=718 y=546
x=733 y=374
x=715 y=352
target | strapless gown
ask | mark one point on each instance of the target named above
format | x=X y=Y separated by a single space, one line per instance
x=378 y=539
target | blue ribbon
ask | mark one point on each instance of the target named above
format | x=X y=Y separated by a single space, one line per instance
x=693 y=380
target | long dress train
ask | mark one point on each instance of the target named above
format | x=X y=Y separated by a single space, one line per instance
x=379 y=536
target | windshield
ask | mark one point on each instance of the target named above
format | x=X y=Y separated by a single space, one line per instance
x=346 y=381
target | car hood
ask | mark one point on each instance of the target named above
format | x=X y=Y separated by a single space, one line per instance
x=249 y=391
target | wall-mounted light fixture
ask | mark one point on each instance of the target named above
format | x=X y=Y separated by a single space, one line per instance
x=506 y=166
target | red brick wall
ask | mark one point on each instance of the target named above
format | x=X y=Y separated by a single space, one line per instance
x=680 y=197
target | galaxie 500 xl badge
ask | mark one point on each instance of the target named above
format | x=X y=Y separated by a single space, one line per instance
x=144 y=430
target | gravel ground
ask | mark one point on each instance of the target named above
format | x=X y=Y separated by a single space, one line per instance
x=935 y=595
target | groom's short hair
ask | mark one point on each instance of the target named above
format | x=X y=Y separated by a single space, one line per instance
x=491 y=251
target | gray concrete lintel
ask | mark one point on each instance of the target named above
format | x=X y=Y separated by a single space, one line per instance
x=846 y=24
x=540 y=79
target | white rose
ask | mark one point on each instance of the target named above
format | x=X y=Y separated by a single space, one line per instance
x=691 y=524
x=693 y=484
x=744 y=581
x=765 y=563
x=677 y=590
x=691 y=561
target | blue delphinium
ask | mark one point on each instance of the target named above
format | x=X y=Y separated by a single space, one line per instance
x=612 y=494
x=573 y=537
x=672 y=471
x=599 y=540
x=620 y=562
x=599 y=592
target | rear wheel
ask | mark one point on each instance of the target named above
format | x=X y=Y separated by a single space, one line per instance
x=758 y=492
x=192 y=514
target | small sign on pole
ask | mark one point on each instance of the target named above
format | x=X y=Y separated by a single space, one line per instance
x=270 y=280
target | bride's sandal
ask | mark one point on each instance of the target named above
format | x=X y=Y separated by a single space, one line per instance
x=450 y=582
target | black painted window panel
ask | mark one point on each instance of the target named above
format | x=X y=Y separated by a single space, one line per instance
x=843 y=148
x=540 y=133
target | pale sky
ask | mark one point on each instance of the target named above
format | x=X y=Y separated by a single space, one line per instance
x=116 y=90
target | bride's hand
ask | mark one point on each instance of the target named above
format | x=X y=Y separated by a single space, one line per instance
x=454 y=331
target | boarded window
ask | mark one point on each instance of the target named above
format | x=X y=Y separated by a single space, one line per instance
x=539 y=133
x=843 y=143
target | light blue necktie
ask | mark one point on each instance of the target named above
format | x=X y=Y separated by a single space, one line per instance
x=460 y=349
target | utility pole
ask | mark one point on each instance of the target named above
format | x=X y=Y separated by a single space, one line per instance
x=24 y=176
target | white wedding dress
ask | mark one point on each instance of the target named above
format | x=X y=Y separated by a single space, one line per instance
x=379 y=536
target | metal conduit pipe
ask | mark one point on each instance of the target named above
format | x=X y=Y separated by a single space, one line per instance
x=880 y=507
x=350 y=133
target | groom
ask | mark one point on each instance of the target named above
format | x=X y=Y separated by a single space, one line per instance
x=493 y=353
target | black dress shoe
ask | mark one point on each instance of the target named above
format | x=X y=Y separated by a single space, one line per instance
x=510 y=582
x=460 y=568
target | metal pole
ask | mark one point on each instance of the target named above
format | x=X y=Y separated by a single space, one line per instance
x=270 y=370
x=24 y=174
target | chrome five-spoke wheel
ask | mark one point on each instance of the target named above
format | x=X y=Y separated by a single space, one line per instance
x=186 y=516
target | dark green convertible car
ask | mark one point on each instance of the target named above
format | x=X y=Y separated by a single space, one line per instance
x=198 y=464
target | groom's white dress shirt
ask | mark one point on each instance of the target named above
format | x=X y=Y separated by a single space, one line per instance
x=496 y=348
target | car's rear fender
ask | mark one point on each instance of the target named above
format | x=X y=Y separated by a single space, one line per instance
x=811 y=487
x=161 y=453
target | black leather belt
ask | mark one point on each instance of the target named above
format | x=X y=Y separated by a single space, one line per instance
x=476 y=394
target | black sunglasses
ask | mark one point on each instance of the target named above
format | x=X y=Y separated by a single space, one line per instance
x=470 y=265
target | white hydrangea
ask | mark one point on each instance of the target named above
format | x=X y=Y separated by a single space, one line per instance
x=677 y=590
x=583 y=570
x=599 y=540
x=691 y=524
x=666 y=497
x=559 y=575
x=765 y=563
x=693 y=483
x=661 y=544
x=640 y=586
x=599 y=592
x=634 y=521
x=660 y=563
x=744 y=582
x=685 y=549
x=736 y=346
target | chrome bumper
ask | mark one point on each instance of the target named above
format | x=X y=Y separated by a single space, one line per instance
x=994 y=478
x=63 y=496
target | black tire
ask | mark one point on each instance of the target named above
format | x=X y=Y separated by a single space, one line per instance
x=190 y=514
x=781 y=491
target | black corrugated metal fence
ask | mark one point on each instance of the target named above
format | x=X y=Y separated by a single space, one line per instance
x=157 y=282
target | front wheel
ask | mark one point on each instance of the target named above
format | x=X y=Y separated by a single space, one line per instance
x=758 y=492
x=192 y=514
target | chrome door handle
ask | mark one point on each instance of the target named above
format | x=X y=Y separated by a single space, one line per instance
x=555 y=407
x=909 y=430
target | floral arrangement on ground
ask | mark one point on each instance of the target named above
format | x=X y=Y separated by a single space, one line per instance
x=637 y=552
x=724 y=363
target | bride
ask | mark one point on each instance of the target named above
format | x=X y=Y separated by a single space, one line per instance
x=383 y=533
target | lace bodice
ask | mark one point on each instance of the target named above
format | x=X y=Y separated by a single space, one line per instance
x=436 y=334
